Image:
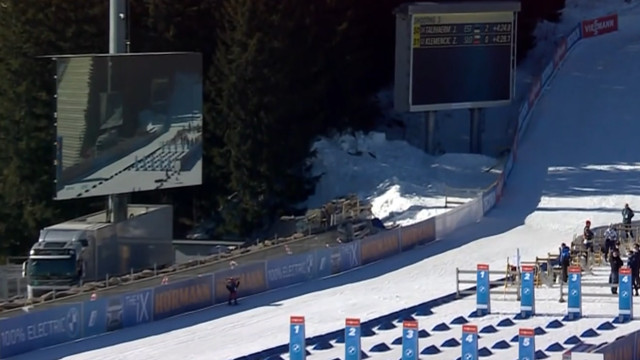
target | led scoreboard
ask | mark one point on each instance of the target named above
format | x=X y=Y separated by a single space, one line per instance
x=456 y=55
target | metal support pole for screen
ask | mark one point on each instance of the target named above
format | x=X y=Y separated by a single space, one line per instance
x=430 y=119
x=475 y=133
x=117 y=203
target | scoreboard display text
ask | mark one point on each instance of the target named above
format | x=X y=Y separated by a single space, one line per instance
x=460 y=59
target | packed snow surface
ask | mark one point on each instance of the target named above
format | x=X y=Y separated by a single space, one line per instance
x=577 y=162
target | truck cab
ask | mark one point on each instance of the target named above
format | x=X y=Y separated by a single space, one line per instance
x=56 y=262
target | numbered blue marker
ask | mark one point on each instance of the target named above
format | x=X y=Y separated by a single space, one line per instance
x=352 y=339
x=574 y=304
x=625 y=295
x=410 y=340
x=526 y=344
x=297 y=345
x=469 y=342
x=527 y=292
x=483 y=297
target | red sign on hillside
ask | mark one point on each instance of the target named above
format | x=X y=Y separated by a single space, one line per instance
x=600 y=26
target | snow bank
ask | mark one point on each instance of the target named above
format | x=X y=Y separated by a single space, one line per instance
x=403 y=184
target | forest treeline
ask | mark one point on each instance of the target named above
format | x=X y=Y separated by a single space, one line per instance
x=277 y=73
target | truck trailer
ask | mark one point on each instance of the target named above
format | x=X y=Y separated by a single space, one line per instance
x=91 y=248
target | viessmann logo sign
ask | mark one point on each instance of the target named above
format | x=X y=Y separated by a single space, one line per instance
x=600 y=26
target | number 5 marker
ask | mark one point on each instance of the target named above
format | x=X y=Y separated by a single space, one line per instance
x=526 y=344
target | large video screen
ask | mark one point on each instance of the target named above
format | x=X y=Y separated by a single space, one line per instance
x=127 y=123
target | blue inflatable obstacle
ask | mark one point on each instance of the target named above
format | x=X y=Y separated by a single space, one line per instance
x=424 y=311
x=275 y=357
x=430 y=350
x=572 y=340
x=484 y=352
x=539 y=331
x=322 y=345
x=606 y=326
x=460 y=320
x=366 y=331
x=451 y=342
x=555 y=347
x=489 y=329
x=541 y=355
x=506 y=323
x=405 y=317
x=381 y=347
x=501 y=345
x=441 y=327
x=555 y=324
x=386 y=325
x=589 y=333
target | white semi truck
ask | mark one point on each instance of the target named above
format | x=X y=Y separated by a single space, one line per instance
x=90 y=248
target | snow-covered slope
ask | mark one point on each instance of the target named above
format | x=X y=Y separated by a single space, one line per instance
x=403 y=183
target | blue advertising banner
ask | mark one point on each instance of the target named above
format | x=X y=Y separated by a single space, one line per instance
x=420 y=233
x=574 y=36
x=137 y=308
x=94 y=316
x=323 y=261
x=114 y=313
x=290 y=269
x=349 y=255
x=379 y=246
x=40 y=329
x=252 y=277
x=183 y=296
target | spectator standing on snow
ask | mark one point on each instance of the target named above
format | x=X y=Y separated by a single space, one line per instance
x=587 y=240
x=634 y=263
x=232 y=286
x=616 y=263
x=565 y=261
x=627 y=215
x=610 y=238
x=587 y=235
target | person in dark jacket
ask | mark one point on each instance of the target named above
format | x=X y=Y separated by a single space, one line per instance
x=627 y=216
x=587 y=240
x=634 y=263
x=610 y=238
x=616 y=263
x=565 y=261
x=232 y=285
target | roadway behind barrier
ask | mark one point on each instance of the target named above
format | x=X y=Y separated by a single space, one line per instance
x=81 y=317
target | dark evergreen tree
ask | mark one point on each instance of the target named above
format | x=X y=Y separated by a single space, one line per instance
x=262 y=109
x=28 y=30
